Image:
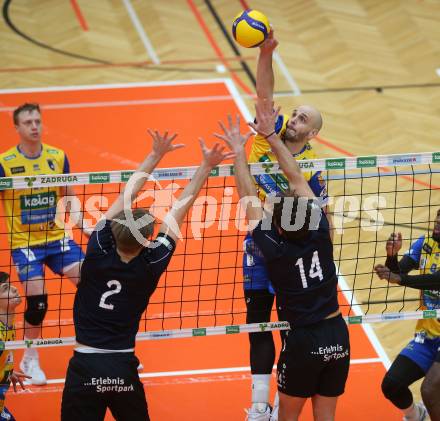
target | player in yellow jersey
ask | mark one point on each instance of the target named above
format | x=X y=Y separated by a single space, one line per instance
x=36 y=239
x=9 y=300
x=416 y=359
x=295 y=131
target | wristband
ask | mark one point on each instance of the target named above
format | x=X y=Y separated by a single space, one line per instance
x=269 y=135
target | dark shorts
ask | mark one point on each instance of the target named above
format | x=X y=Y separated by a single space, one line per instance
x=315 y=359
x=95 y=382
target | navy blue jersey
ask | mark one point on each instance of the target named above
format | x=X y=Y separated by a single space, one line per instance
x=302 y=273
x=112 y=295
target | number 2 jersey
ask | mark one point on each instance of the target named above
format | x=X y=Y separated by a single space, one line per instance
x=30 y=213
x=302 y=273
x=112 y=295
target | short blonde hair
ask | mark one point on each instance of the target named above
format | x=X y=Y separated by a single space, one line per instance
x=122 y=229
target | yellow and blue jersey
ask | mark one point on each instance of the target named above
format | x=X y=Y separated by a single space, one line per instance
x=426 y=252
x=277 y=184
x=30 y=213
x=7 y=333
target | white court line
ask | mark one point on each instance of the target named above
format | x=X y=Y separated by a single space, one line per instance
x=201 y=372
x=115 y=86
x=141 y=32
x=285 y=71
x=342 y=283
x=128 y=103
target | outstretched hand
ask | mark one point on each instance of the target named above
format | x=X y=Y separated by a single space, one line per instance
x=18 y=377
x=384 y=273
x=270 y=42
x=232 y=136
x=214 y=156
x=266 y=117
x=162 y=144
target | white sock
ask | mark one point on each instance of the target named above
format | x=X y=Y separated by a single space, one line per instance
x=30 y=353
x=412 y=412
x=260 y=391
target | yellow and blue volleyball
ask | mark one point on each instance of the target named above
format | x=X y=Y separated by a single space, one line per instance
x=250 y=28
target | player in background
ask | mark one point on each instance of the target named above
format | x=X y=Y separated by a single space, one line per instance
x=119 y=274
x=9 y=301
x=296 y=131
x=298 y=251
x=421 y=353
x=36 y=238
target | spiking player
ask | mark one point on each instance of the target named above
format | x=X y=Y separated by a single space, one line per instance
x=118 y=276
x=416 y=359
x=36 y=239
x=295 y=131
x=298 y=252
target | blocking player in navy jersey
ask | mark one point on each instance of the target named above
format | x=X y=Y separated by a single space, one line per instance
x=120 y=273
x=296 y=131
x=315 y=357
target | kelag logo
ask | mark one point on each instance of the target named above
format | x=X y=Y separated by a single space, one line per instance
x=102 y=177
x=5 y=183
x=366 y=161
x=38 y=201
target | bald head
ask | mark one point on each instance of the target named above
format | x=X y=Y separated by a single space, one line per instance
x=314 y=116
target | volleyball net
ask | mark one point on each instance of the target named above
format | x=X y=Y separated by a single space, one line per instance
x=201 y=293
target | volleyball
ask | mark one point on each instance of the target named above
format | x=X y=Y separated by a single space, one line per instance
x=250 y=28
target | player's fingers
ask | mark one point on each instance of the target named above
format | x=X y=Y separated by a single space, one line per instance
x=202 y=144
x=229 y=155
x=223 y=127
x=165 y=134
x=216 y=147
x=178 y=146
x=172 y=137
x=230 y=121
x=253 y=125
x=220 y=136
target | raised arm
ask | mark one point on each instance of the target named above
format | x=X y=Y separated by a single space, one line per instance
x=243 y=179
x=162 y=144
x=266 y=117
x=211 y=158
x=265 y=76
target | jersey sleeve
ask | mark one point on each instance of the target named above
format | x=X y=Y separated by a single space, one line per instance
x=159 y=253
x=267 y=239
x=319 y=187
x=2 y=171
x=66 y=165
x=101 y=240
x=415 y=251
